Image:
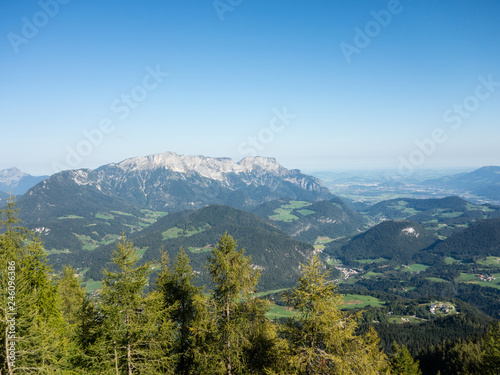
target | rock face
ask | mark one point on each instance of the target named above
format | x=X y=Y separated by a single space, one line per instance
x=172 y=182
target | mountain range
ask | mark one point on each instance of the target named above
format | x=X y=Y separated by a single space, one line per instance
x=168 y=182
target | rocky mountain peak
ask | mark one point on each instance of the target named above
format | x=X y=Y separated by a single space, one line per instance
x=269 y=164
x=210 y=167
x=11 y=174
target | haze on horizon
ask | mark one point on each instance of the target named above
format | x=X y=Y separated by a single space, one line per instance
x=319 y=86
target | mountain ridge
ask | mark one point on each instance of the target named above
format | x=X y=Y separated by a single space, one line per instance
x=172 y=182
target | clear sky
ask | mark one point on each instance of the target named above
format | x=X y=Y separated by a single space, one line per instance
x=320 y=85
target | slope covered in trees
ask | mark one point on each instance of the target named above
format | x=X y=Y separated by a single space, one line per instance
x=307 y=221
x=480 y=240
x=277 y=255
x=392 y=240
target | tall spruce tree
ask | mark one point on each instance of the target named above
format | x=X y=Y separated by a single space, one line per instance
x=179 y=297
x=237 y=314
x=138 y=333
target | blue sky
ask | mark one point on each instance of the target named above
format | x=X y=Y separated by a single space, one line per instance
x=320 y=85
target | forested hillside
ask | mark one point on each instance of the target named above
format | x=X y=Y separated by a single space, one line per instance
x=307 y=221
x=277 y=255
x=391 y=240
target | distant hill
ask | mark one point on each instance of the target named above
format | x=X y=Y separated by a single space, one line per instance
x=443 y=215
x=309 y=220
x=481 y=239
x=392 y=240
x=483 y=182
x=276 y=254
x=401 y=208
x=17 y=182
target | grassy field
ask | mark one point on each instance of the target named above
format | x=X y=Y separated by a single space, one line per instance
x=436 y=279
x=152 y=216
x=397 y=319
x=352 y=301
x=297 y=204
x=320 y=242
x=417 y=267
x=284 y=213
x=199 y=250
x=140 y=252
x=178 y=232
x=121 y=213
x=70 y=217
x=489 y=261
x=100 y=215
x=276 y=312
x=92 y=285
x=333 y=262
x=372 y=274
x=55 y=251
x=450 y=260
x=466 y=277
x=473 y=279
x=87 y=242
x=366 y=261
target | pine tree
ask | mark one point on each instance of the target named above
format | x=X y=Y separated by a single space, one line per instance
x=402 y=363
x=321 y=338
